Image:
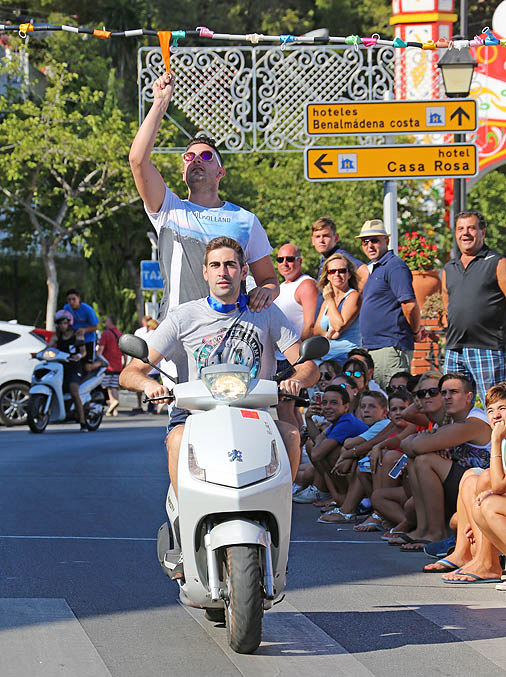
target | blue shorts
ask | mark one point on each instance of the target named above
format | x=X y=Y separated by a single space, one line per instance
x=177 y=417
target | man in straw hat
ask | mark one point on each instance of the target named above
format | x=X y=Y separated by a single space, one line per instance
x=390 y=316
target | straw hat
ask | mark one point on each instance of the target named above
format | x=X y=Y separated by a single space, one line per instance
x=373 y=227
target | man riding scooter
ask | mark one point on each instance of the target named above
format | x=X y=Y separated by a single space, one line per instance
x=221 y=329
x=66 y=339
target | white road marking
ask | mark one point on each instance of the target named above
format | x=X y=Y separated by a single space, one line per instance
x=289 y=639
x=125 y=538
x=43 y=637
x=480 y=625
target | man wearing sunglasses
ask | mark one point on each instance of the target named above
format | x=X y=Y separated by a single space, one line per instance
x=185 y=227
x=390 y=316
x=297 y=299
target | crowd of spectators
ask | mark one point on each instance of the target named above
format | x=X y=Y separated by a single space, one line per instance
x=420 y=459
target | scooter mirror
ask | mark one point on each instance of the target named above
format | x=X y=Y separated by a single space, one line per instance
x=313 y=348
x=134 y=346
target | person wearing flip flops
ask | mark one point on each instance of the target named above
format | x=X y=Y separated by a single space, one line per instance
x=487 y=511
x=328 y=445
x=437 y=461
x=373 y=410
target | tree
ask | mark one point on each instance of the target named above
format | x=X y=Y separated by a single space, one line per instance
x=64 y=165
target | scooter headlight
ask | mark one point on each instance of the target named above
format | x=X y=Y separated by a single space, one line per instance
x=273 y=466
x=227 y=386
x=48 y=354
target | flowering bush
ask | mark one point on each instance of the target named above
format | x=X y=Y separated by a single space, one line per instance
x=417 y=252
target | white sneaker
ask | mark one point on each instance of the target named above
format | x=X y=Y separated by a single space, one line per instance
x=501 y=586
x=309 y=495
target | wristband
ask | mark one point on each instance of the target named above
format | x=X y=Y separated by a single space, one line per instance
x=496 y=456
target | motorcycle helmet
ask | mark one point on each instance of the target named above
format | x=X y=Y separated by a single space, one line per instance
x=64 y=315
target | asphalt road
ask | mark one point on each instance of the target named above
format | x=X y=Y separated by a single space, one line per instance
x=81 y=592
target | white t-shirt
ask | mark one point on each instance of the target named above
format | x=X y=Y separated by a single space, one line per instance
x=195 y=336
x=184 y=229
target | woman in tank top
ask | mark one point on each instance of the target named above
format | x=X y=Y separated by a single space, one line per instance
x=338 y=316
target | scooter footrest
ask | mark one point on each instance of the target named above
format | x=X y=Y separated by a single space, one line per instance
x=170 y=561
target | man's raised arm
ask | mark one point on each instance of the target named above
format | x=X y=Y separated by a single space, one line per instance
x=148 y=179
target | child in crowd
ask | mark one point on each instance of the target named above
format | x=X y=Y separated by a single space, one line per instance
x=373 y=412
x=327 y=444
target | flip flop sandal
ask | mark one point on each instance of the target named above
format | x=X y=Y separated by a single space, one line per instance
x=325 y=505
x=447 y=567
x=372 y=523
x=476 y=579
x=339 y=517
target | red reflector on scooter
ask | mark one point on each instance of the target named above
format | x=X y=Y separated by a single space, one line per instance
x=249 y=414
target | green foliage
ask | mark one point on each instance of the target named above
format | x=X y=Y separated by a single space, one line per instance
x=489 y=197
x=274 y=188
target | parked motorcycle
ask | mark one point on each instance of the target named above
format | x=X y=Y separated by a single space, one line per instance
x=49 y=404
x=232 y=516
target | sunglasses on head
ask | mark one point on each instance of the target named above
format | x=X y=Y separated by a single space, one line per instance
x=355 y=374
x=372 y=240
x=326 y=376
x=288 y=259
x=337 y=271
x=206 y=155
x=423 y=392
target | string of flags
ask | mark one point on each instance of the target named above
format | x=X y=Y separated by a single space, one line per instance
x=170 y=39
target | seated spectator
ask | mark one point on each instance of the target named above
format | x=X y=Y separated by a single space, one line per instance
x=363 y=355
x=351 y=387
x=356 y=370
x=437 y=460
x=383 y=456
x=373 y=411
x=402 y=380
x=328 y=444
x=329 y=369
x=476 y=556
x=338 y=316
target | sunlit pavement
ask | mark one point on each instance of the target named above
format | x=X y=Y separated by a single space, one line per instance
x=81 y=592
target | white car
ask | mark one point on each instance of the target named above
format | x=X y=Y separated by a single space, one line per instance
x=17 y=342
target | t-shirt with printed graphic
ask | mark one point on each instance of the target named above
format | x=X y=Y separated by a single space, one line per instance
x=469 y=455
x=184 y=229
x=195 y=336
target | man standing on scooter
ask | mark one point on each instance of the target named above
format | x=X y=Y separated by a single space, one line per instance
x=221 y=329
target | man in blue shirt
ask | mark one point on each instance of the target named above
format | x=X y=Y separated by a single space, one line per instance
x=85 y=321
x=390 y=316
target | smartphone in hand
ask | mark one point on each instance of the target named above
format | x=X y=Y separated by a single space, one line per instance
x=398 y=467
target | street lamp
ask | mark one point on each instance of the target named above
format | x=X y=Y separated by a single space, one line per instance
x=457 y=67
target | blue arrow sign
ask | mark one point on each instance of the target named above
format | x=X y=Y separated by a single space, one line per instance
x=151 y=277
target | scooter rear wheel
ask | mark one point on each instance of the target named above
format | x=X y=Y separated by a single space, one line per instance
x=37 y=419
x=244 y=607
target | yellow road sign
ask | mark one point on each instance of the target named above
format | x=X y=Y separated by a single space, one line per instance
x=391 y=117
x=390 y=162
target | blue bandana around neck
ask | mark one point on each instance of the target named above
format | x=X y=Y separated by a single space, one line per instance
x=241 y=304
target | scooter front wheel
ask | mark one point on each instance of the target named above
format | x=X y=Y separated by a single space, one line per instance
x=244 y=607
x=37 y=419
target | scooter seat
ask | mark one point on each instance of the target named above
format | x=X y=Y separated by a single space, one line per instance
x=90 y=374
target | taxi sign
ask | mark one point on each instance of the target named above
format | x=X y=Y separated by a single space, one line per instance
x=151 y=277
x=390 y=162
x=391 y=117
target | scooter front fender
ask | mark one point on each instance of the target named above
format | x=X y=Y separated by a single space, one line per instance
x=238 y=532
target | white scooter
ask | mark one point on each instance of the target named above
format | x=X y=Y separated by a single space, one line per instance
x=232 y=516
x=49 y=404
